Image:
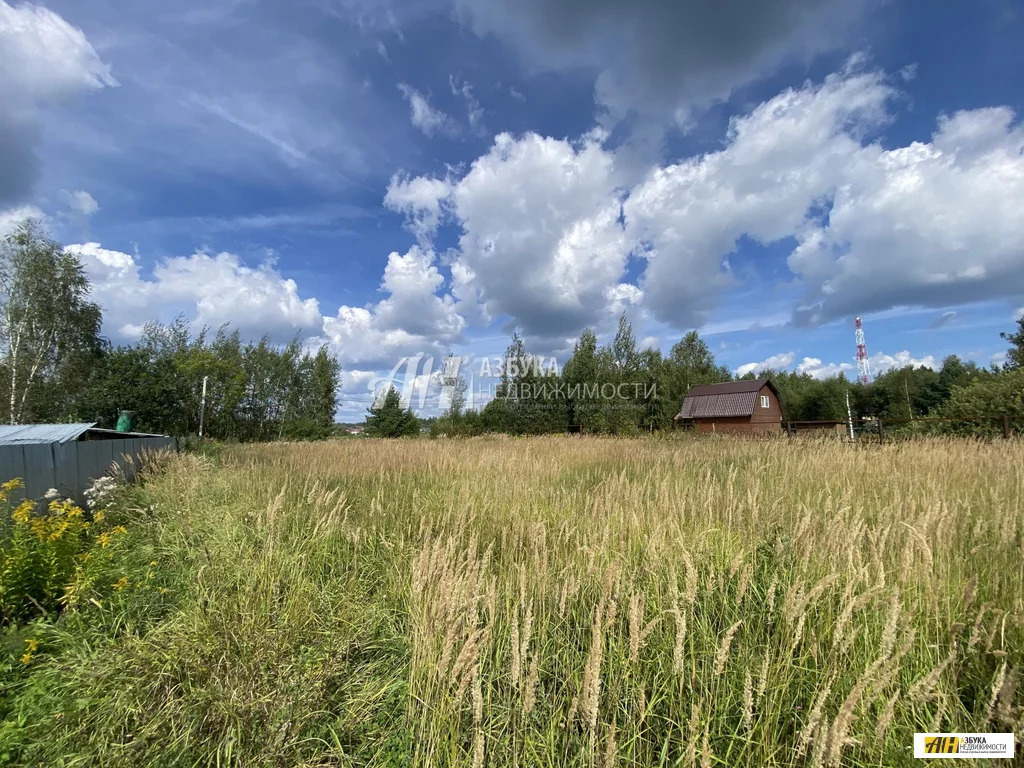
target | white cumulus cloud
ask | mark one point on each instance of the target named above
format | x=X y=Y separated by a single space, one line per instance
x=780 y=159
x=777 y=362
x=14 y=216
x=43 y=59
x=879 y=363
x=412 y=319
x=813 y=366
x=541 y=235
x=211 y=289
x=421 y=199
x=931 y=223
x=548 y=225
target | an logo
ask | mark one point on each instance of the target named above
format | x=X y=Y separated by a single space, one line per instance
x=941 y=745
x=966 y=745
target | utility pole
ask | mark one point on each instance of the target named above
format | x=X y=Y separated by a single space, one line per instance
x=202 y=406
x=849 y=413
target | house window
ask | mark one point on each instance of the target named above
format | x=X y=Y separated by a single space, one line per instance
x=764 y=401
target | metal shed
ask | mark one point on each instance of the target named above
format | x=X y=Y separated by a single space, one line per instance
x=69 y=457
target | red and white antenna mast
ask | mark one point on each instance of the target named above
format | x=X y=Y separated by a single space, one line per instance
x=863 y=369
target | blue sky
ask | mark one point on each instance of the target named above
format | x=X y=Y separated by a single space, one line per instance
x=395 y=178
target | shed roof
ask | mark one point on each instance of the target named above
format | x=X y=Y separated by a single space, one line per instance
x=115 y=434
x=28 y=434
x=731 y=387
x=729 y=399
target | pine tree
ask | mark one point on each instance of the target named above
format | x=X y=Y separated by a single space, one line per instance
x=390 y=419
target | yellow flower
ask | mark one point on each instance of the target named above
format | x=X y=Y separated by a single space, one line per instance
x=152 y=562
x=118 y=529
x=98 y=517
x=23 y=511
x=10 y=485
x=121 y=583
x=104 y=539
x=32 y=644
x=26 y=658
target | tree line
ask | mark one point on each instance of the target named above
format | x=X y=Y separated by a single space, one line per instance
x=56 y=367
x=620 y=389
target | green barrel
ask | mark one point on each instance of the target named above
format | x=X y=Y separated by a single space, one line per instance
x=125 y=421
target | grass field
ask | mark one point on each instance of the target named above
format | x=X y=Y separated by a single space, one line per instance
x=541 y=602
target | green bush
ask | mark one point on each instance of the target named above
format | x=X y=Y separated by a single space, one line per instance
x=988 y=396
x=51 y=557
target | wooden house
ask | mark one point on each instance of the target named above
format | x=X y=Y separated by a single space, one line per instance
x=733 y=407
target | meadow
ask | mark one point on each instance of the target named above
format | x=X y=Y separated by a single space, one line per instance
x=550 y=601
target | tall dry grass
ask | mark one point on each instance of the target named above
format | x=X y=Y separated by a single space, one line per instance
x=567 y=601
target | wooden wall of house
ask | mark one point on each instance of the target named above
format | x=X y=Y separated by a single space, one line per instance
x=773 y=413
x=762 y=420
x=737 y=425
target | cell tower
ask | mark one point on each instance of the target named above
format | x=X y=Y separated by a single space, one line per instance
x=863 y=369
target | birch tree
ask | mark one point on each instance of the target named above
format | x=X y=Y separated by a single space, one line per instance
x=46 y=318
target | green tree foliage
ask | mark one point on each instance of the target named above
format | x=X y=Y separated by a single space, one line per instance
x=453 y=420
x=455 y=384
x=623 y=349
x=589 y=388
x=986 y=395
x=690 y=363
x=390 y=418
x=54 y=366
x=255 y=391
x=1015 y=355
x=623 y=412
x=579 y=370
x=954 y=373
x=526 y=401
x=49 y=330
x=902 y=393
x=899 y=394
x=613 y=389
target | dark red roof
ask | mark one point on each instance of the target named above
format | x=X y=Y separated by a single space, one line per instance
x=729 y=399
x=729 y=387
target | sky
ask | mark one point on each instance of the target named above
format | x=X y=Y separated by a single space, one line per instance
x=401 y=178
